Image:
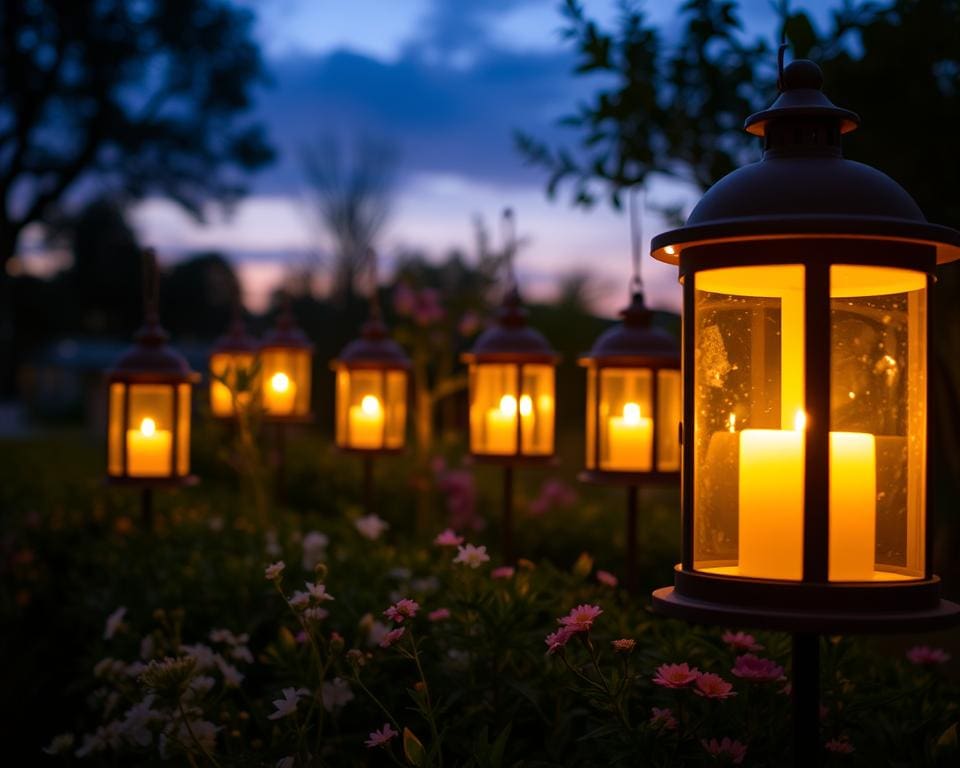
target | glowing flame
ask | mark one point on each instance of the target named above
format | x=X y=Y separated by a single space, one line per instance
x=732 y=422
x=631 y=414
x=148 y=427
x=508 y=405
x=526 y=405
x=280 y=382
x=800 y=421
x=370 y=405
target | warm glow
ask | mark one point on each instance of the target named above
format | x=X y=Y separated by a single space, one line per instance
x=508 y=405
x=631 y=414
x=526 y=405
x=800 y=421
x=148 y=427
x=280 y=382
x=370 y=405
x=732 y=422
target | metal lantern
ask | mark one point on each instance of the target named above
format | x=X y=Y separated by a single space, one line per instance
x=807 y=281
x=286 y=358
x=149 y=393
x=232 y=362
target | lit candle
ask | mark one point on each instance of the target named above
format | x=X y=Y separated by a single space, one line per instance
x=630 y=440
x=221 y=401
x=501 y=425
x=280 y=395
x=853 y=506
x=366 y=423
x=148 y=450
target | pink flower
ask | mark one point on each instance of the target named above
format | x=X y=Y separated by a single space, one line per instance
x=713 y=686
x=557 y=640
x=741 y=642
x=750 y=667
x=403 y=609
x=427 y=309
x=391 y=637
x=726 y=748
x=458 y=487
x=381 y=737
x=472 y=556
x=663 y=718
x=607 y=579
x=926 y=656
x=448 y=538
x=839 y=746
x=581 y=618
x=675 y=675
x=624 y=644
x=503 y=572
x=554 y=493
x=441 y=614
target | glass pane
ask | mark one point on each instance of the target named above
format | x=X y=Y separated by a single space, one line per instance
x=537 y=410
x=183 y=430
x=343 y=405
x=396 y=408
x=366 y=416
x=149 y=435
x=591 y=437
x=877 y=423
x=230 y=367
x=748 y=435
x=115 y=430
x=669 y=394
x=493 y=408
x=626 y=420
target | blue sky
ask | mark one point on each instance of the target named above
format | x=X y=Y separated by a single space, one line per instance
x=448 y=81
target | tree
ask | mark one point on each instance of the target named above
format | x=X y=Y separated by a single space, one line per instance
x=140 y=97
x=199 y=296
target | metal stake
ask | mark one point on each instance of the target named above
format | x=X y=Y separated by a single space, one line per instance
x=146 y=508
x=506 y=522
x=368 y=483
x=805 y=692
x=630 y=562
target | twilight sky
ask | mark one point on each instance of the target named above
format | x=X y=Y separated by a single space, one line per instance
x=448 y=81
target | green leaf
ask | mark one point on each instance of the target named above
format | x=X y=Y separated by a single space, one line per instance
x=413 y=748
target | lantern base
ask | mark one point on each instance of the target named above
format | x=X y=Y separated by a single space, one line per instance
x=668 y=602
x=603 y=477
x=306 y=418
x=514 y=460
x=154 y=482
x=371 y=452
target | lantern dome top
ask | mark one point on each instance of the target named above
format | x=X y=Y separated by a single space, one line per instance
x=286 y=333
x=803 y=186
x=152 y=357
x=236 y=339
x=374 y=348
x=510 y=339
x=634 y=338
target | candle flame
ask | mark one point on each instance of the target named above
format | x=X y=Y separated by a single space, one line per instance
x=732 y=422
x=148 y=427
x=280 y=382
x=526 y=405
x=370 y=405
x=800 y=421
x=508 y=405
x=631 y=414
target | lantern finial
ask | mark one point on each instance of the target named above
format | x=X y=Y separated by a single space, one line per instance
x=151 y=333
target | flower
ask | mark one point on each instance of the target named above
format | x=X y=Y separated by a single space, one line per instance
x=288 y=704
x=315 y=613
x=402 y=609
x=299 y=600
x=472 y=556
x=114 y=622
x=448 y=538
x=581 y=618
x=554 y=493
x=741 y=641
x=607 y=579
x=371 y=526
x=274 y=571
x=750 y=667
x=381 y=737
x=314 y=549
x=319 y=592
x=726 y=748
x=924 y=655
x=459 y=490
x=335 y=693
x=712 y=686
x=663 y=718
x=391 y=637
x=557 y=640
x=624 y=644
x=675 y=675
x=839 y=746
x=441 y=614
x=503 y=572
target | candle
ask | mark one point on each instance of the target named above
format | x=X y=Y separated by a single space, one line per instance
x=221 y=401
x=280 y=395
x=630 y=439
x=366 y=423
x=501 y=426
x=853 y=506
x=148 y=450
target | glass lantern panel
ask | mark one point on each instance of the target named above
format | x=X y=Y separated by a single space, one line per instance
x=536 y=406
x=591 y=419
x=626 y=420
x=115 y=429
x=748 y=336
x=669 y=394
x=183 y=429
x=877 y=423
x=234 y=369
x=396 y=409
x=365 y=412
x=286 y=381
x=493 y=408
x=149 y=437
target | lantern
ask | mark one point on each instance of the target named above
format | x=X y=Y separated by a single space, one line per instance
x=149 y=398
x=232 y=362
x=371 y=401
x=286 y=357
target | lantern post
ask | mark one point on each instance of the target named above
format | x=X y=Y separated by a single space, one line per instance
x=633 y=406
x=806 y=505
x=512 y=395
x=149 y=392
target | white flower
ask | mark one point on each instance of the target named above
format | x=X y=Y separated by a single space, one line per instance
x=136 y=722
x=319 y=592
x=273 y=571
x=314 y=549
x=231 y=675
x=315 y=613
x=288 y=704
x=114 y=622
x=241 y=653
x=335 y=694
x=59 y=744
x=371 y=526
x=105 y=737
x=472 y=556
x=204 y=655
x=201 y=684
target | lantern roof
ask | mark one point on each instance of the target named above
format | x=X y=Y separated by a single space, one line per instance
x=374 y=348
x=286 y=334
x=635 y=339
x=803 y=186
x=510 y=338
x=151 y=355
x=236 y=339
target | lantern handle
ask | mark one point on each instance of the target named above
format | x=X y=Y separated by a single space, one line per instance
x=636 y=236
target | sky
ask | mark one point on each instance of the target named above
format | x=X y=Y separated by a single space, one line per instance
x=447 y=81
